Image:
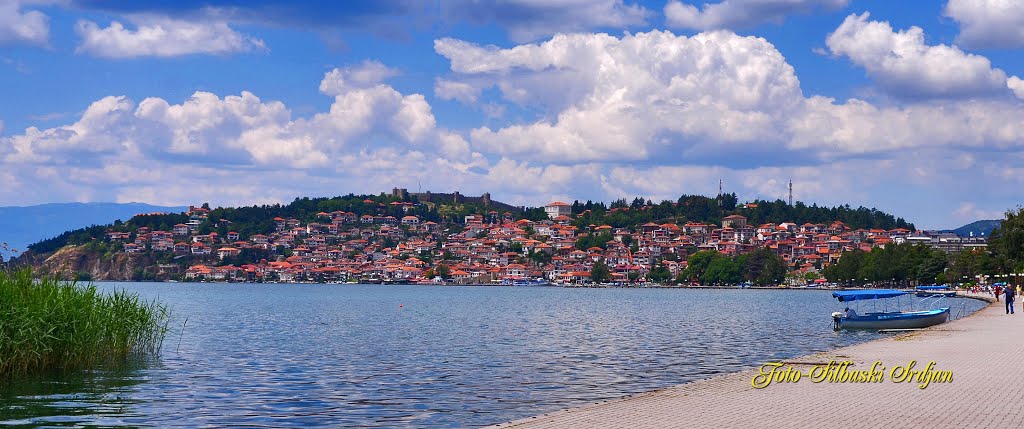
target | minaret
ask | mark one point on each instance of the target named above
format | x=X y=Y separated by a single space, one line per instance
x=790 y=192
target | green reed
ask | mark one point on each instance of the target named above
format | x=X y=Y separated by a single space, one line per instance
x=51 y=324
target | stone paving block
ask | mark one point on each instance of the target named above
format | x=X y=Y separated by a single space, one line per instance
x=977 y=349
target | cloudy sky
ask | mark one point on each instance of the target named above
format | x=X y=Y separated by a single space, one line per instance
x=916 y=108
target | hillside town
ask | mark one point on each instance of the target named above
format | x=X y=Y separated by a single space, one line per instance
x=494 y=248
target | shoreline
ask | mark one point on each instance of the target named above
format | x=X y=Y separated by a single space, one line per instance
x=646 y=286
x=668 y=404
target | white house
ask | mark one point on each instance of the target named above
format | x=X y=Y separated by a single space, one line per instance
x=557 y=209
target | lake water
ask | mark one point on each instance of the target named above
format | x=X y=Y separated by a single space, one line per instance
x=282 y=355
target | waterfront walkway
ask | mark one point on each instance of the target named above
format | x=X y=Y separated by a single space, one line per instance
x=985 y=353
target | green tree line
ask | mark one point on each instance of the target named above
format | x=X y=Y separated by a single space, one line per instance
x=905 y=262
x=893 y=263
x=699 y=208
x=761 y=267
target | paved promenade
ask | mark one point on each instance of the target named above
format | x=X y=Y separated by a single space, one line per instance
x=985 y=353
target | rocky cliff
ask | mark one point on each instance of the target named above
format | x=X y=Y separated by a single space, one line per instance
x=76 y=262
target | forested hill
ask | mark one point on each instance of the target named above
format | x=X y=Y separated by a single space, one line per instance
x=978 y=228
x=251 y=220
x=698 y=208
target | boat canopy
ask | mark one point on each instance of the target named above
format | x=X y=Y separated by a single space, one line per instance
x=932 y=287
x=853 y=295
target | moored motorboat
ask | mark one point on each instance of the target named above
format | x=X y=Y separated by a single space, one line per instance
x=892 y=320
x=850 y=319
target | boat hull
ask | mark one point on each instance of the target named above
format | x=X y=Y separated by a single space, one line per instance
x=927 y=293
x=901 y=320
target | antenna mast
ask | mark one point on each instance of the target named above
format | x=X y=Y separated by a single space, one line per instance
x=791 y=192
x=719 y=193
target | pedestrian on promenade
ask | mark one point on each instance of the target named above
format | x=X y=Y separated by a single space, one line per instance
x=1009 y=291
x=998 y=291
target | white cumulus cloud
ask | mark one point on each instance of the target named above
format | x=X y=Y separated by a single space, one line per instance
x=240 y=149
x=22 y=26
x=633 y=97
x=988 y=23
x=712 y=99
x=241 y=129
x=1017 y=86
x=162 y=37
x=365 y=75
x=834 y=130
x=452 y=90
x=903 y=64
x=735 y=14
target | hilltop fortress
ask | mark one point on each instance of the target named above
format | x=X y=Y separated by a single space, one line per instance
x=455 y=198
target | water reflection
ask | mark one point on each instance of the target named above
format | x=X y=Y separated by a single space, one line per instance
x=102 y=396
x=342 y=355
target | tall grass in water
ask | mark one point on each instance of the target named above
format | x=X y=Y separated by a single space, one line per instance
x=48 y=324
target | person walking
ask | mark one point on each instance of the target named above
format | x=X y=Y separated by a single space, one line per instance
x=998 y=290
x=1009 y=291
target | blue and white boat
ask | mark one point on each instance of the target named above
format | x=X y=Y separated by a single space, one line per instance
x=851 y=319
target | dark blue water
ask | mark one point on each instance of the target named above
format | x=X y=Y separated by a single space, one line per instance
x=422 y=356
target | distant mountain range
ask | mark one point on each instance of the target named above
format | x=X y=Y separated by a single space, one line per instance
x=22 y=226
x=977 y=228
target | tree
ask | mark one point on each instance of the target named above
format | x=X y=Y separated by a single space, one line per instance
x=442 y=271
x=930 y=268
x=587 y=241
x=724 y=270
x=660 y=273
x=764 y=267
x=1008 y=239
x=600 y=273
x=540 y=257
x=698 y=263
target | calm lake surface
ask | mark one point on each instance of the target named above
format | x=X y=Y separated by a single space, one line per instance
x=282 y=355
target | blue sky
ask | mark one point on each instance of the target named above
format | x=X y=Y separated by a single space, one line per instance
x=912 y=107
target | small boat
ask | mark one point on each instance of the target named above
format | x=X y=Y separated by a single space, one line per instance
x=934 y=290
x=850 y=319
